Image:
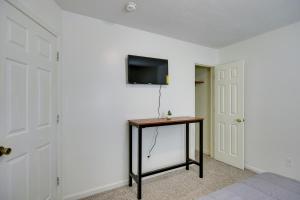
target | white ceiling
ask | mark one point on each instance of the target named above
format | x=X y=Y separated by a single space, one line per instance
x=212 y=23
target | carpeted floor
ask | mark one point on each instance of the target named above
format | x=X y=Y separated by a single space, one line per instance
x=181 y=184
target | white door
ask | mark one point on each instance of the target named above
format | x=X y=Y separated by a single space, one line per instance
x=229 y=113
x=28 y=72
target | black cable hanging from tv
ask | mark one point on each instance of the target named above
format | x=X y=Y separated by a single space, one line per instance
x=156 y=129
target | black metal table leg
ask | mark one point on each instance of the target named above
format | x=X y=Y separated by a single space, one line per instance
x=187 y=146
x=139 y=188
x=201 y=149
x=130 y=155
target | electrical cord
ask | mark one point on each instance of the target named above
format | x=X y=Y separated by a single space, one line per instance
x=156 y=129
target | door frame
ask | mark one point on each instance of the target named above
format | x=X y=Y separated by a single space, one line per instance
x=212 y=106
x=37 y=19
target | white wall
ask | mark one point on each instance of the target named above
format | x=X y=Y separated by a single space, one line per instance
x=272 y=99
x=98 y=102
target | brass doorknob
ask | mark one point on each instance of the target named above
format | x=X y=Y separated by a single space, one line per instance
x=4 y=151
x=240 y=120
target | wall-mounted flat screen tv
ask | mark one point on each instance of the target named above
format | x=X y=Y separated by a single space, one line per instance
x=144 y=70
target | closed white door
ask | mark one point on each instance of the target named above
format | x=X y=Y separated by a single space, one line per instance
x=229 y=113
x=28 y=72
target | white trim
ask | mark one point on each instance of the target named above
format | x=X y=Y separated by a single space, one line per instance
x=118 y=184
x=96 y=190
x=18 y=5
x=211 y=152
x=254 y=169
x=100 y=189
x=212 y=112
x=205 y=152
x=59 y=135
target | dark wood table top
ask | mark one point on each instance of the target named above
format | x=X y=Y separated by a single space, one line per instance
x=164 y=121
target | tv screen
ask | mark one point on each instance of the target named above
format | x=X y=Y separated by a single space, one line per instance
x=144 y=70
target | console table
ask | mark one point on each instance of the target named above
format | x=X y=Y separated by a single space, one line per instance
x=145 y=123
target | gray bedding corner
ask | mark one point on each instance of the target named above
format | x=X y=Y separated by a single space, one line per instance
x=265 y=186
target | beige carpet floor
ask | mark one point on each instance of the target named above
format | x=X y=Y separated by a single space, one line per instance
x=181 y=184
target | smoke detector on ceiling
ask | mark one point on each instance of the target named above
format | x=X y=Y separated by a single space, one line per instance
x=131 y=6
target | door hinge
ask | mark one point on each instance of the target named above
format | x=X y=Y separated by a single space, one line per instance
x=57 y=118
x=57 y=56
x=57 y=181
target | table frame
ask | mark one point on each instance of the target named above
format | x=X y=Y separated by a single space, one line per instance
x=138 y=177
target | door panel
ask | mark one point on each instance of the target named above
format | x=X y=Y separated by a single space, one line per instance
x=233 y=134
x=221 y=136
x=17 y=33
x=17 y=97
x=221 y=99
x=44 y=171
x=229 y=107
x=18 y=176
x=44 y=100
x=28 y=100
x=233 y=99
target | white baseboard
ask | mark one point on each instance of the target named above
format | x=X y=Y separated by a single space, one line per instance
x=205 y=152
x=107 y=187
x=96 y=190
x=254 y=169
